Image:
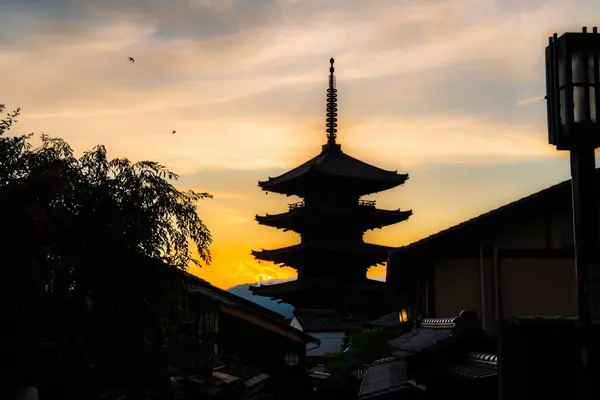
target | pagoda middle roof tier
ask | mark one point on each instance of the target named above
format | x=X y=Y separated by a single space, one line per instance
x=301 y=254
x=334 y=166
x=365 y=216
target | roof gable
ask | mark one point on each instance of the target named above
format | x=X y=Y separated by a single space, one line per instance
x=199 y=285
x=475 y=226
x=246 y=309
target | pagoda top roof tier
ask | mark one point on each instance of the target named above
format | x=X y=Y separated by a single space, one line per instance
x=299 y=254
x=364 y=215
x=334 y=167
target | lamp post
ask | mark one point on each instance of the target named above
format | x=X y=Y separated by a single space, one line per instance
x=573 y=101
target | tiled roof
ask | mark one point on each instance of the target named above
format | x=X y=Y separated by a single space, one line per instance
x=367 y=217
x=501 y=216
x=431 y=333
x=322 y=320
x=201 y=287
x=420 y=339
x=382 y=378
x=477 y=365
x=198 y=285
x=316 y=284
x=317 y=320
x=334 y=162
x=377 y=254
x=391 y=319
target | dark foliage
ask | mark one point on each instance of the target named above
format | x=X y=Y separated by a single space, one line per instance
x=366 y=346
x=85 y=246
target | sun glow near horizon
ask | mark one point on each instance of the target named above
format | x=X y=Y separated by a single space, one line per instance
x=263 y=277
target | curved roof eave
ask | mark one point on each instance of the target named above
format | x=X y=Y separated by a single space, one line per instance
x=337 y=164
x=287 y=221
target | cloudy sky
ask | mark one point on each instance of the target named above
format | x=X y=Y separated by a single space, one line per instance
x=449 y=91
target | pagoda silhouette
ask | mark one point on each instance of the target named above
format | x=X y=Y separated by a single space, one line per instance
x=332 y=258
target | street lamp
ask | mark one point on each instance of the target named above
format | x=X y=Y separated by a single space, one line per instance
x=403 y=316
x=573 y=101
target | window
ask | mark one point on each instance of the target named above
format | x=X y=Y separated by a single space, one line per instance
x=201 y=324
x=291 y=358
x=207 y=322
x=183 y=305
x=210 y=322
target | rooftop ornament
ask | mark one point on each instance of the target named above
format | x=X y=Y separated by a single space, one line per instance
x=331 y=106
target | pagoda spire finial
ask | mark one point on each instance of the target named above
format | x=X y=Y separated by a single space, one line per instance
x=331 y=126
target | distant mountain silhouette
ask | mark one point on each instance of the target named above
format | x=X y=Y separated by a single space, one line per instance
x=244 y=291
x=283 y=308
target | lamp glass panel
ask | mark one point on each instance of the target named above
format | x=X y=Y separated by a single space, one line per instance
x=590 y=69
x=592 y=104
x=563 y=107
x=579 y=104
x=561 y=71
x=577 y=67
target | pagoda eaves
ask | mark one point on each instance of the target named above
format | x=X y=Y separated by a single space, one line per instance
x=351 y=295
x=297 y=286
x=364 y=217
x=332 y=258
x=334 y=168
x=298 y=255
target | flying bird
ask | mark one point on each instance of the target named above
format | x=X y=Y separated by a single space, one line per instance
x=131 y=59
x=173 y=132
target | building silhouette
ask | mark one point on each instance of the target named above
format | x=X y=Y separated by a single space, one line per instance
x=332 y=258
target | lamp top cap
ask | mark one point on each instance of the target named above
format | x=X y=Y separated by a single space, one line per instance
x=584 y=31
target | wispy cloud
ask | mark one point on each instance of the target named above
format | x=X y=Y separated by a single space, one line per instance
x=472 y=140
x=242 y=82
x=273 y=281
x=530 y=100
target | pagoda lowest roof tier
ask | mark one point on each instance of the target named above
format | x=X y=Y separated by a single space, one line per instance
x=333 y=163
x=296 y=255
x=303 y=285
x=366 y=216
x=326 y=293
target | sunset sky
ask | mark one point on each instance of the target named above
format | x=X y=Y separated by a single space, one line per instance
x=449 y=91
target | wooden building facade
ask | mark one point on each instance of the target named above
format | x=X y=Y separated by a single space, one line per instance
x=512 y=261
x=239 y=332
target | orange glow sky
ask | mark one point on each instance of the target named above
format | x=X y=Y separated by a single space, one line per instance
x=448 y=91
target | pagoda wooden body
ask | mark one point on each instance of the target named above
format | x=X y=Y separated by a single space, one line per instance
x=332 y=258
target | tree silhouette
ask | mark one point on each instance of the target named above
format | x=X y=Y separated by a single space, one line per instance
x=86 y=245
